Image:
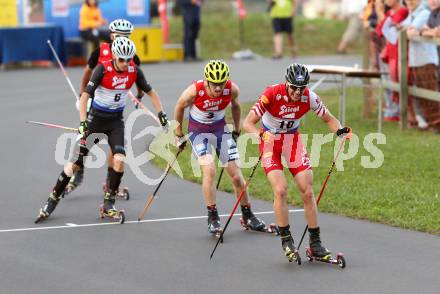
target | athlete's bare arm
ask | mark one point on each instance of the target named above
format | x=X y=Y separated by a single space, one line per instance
x=155 y=100
x=83 y=106
x=250 y=123
x=332 y=122
x=89 y=90
x=88 y=70
x=186 y=99
x=235 y=107
x=85 y=78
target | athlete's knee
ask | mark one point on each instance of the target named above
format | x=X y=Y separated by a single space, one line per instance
x=209 y=172
x=307 y=194
x=280 y=192
x=118 y=161
x=237 y=180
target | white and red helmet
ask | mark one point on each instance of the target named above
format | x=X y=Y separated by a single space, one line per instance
x=121 y=27
x=123 y=47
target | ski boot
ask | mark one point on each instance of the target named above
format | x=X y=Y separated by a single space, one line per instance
x=48 y=208
x=319 y=253
x=74 y=182
x=108 y=209
x=123 y=193
x=214 y=226
x=290 y=250
x=250 y=222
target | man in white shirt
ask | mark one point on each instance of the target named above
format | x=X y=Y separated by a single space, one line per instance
x=423 y=61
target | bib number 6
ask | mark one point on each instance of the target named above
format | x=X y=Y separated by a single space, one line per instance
x=118 y=97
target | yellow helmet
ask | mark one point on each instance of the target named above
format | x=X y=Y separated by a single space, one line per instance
x=216 y=71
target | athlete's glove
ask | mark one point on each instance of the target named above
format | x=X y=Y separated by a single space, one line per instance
x=83 y=129
x=181 y=141
x=162 y=118
x=235 y=135
x=344 y=130
x=264 y=135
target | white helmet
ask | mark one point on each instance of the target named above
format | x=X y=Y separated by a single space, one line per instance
x=123 y=47
x=121 y=26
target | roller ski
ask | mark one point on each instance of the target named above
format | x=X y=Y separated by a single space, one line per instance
x=48 y=208
x=214 y=226
x=123 y=193
x=339 y=260
x=319 y=253
x=74 y=182
x=290 y=250
x=250 y=222
x=108 y=209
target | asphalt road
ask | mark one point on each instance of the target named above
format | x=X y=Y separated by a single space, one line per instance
x=76 y=252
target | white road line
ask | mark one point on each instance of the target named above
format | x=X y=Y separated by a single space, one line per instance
x=71 y=225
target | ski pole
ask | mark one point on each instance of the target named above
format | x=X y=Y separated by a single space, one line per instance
x=51 y=125
x=236 y=204
x=141 y=105
x=220 y=178
x=152 y=196
x=63 y=70
x=346 y=137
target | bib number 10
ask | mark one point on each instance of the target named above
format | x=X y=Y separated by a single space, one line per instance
x=286 y=124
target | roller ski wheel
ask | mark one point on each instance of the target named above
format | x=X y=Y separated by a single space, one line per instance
x=123 y=193
x=114 y=214
x=339 y=260
x=271 y=229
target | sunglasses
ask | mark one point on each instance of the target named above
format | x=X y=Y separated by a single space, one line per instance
x=215 y=85
x=294 y=88
x=122 y=60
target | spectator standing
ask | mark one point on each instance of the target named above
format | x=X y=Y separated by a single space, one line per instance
x=90 y=20
x=373 y=13
x=281 y=13
x=388 y=28
x=191 y=27
x=353 y=11
x=432 y=29
x=423 y=61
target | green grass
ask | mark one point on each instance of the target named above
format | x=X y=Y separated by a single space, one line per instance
x=403 y=192
x=219 y=35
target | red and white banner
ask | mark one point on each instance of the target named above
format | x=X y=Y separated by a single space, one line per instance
x=162 y=7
